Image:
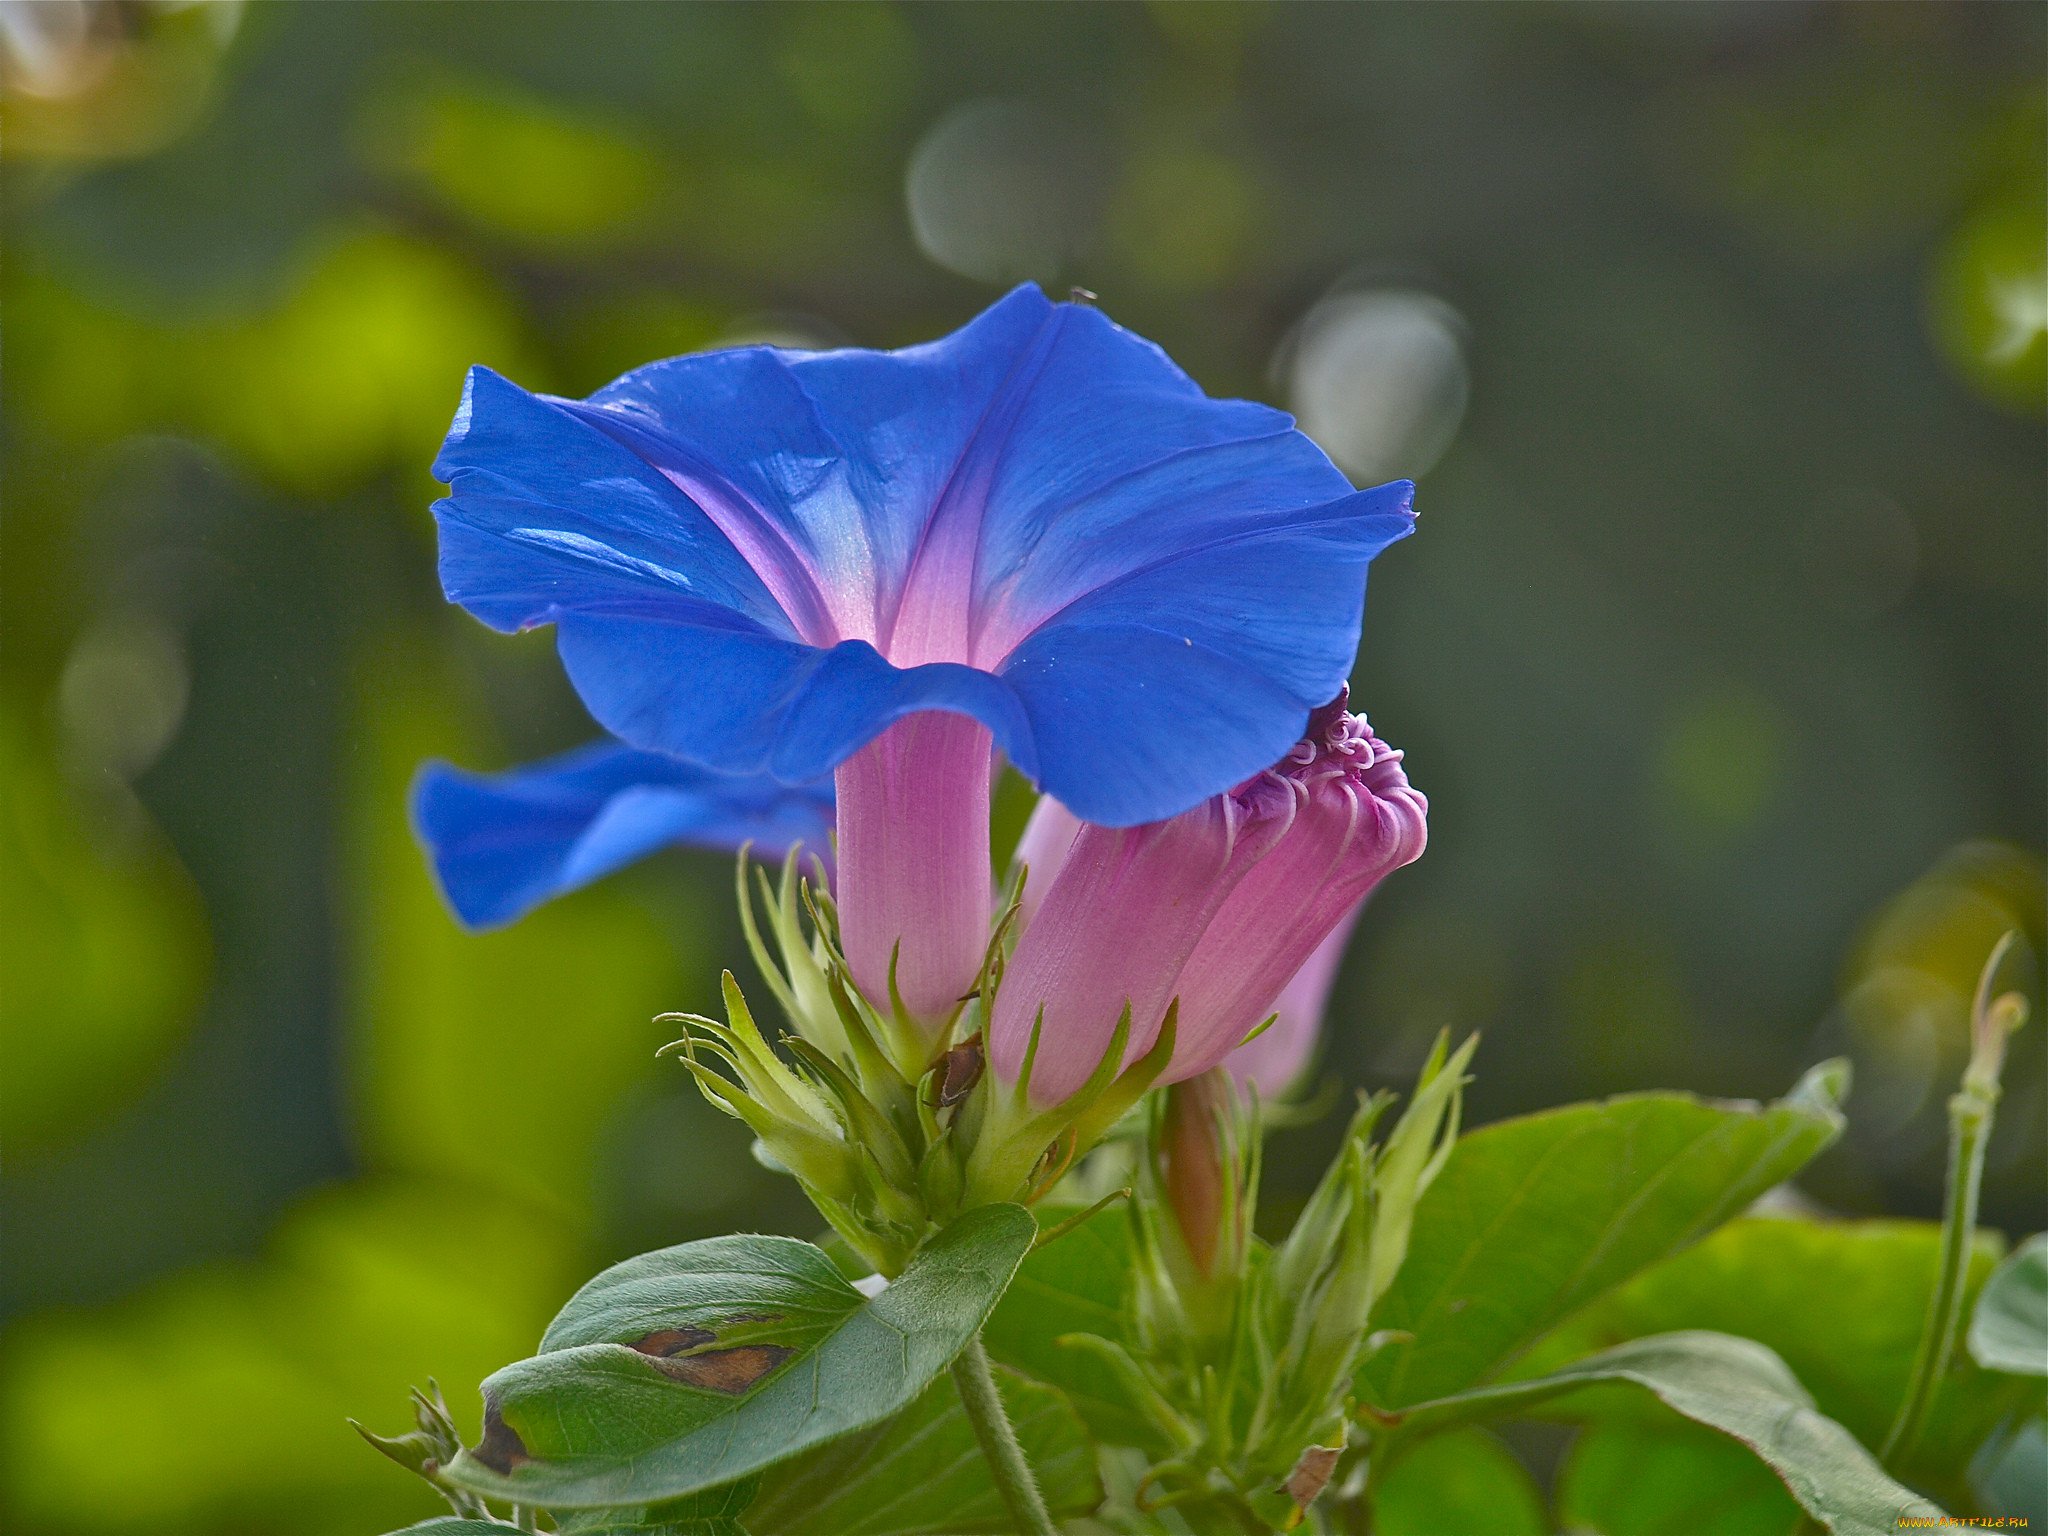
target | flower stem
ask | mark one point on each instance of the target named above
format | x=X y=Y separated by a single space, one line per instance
x=1970 y=1115
x=976 y=1380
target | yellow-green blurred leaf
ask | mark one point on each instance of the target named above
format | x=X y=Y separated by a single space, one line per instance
x=355 y=369
x=520 y=165
x=361 y=366
x=106 y=949
x=218 y=1398
x=501 y=1057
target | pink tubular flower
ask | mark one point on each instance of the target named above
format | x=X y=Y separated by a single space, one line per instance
x=1358 y=821
x=913 y=860
x=1219 y=907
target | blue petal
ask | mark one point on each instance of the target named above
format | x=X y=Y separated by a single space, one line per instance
x=758 y=559
x=829 y=466
x=501 y=844
x=550 y=517
x=1199 y=697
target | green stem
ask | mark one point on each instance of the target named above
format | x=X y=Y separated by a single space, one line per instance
x=1969 y=1130
x=976 y=1380
x=1970 y=1115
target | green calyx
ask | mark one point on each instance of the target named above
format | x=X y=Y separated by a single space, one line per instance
x=1245 y=1354
x=893 y=1126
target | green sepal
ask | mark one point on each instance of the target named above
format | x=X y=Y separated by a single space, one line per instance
x=427 y=1447
x=867 y=1127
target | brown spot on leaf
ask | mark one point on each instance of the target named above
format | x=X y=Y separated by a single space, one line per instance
x=501 y=1449
x=731 y=1371
x=1311 y=1474
x=672 y=1341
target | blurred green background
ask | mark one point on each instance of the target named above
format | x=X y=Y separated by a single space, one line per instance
x=1713 y=333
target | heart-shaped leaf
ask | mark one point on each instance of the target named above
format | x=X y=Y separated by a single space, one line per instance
x=1841 y=1302
x=1736 y=1386
x=2009 y=1330
x=1531 y=1218
x=923 y=1471
x=690 y=1368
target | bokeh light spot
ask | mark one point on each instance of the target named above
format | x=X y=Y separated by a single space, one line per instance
x=1378 y=378
x=1906 y=992
x=122 y=695
x=1004 y=190
x=84 y=80
x=1988 y=303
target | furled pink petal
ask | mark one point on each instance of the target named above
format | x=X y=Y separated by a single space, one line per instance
x=1120 y=919
x=914 y=876
x=1220 y=907
x=1359 y=820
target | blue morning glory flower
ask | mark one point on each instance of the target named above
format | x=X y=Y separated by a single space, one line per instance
x=1036 y=534
x=501 y=844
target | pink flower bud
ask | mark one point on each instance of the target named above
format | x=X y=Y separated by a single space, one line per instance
x=1358 y=822
x=913 y=861
x=1116 y=925
x=1219 y=907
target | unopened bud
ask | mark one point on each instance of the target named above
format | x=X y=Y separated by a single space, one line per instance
x=1201 y=1168
x=1193 y=1154
x=1994 y=1016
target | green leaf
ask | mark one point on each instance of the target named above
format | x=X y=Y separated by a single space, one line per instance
x=1531 y=1218
x=1738 y=1387
x=1841 y=1302
x=457 y=1525
x=712 y=1512
x=1078 y=1283
x=2009 y=1476
x=1462 y=1481
x=2009 y=1330
x=923 y=1471
x=754 y=1356
x=1668 y=1478
x=739 y=1286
